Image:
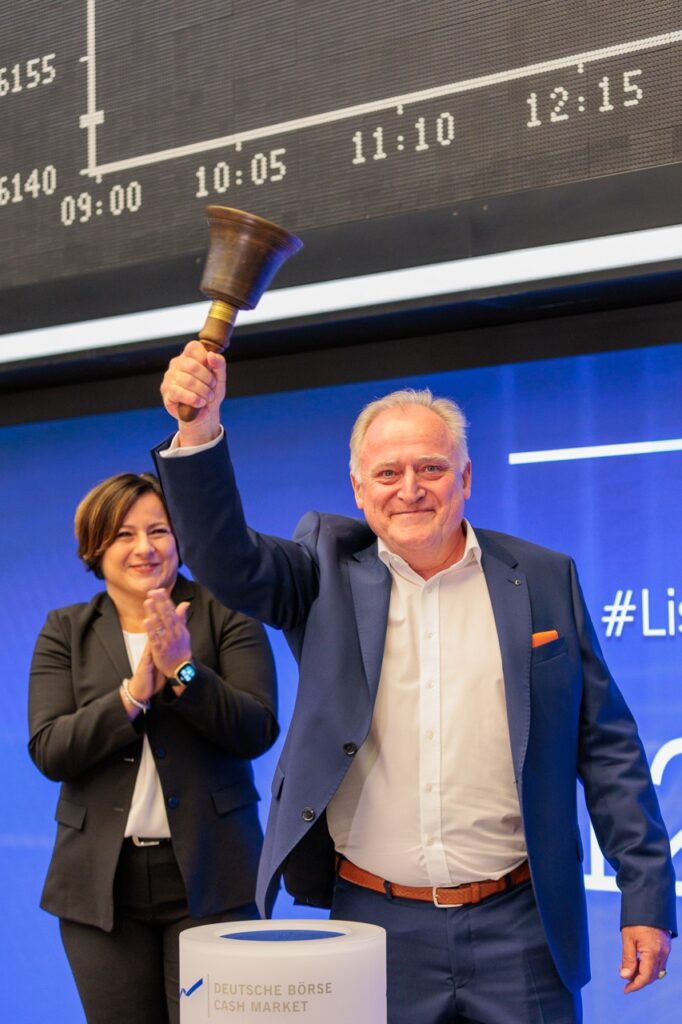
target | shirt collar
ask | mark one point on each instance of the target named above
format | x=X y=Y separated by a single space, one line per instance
x=471 y=553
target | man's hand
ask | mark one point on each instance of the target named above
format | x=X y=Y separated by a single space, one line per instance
x=196 y=377
x=645 y=955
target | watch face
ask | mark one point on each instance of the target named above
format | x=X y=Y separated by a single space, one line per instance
x=186 y=674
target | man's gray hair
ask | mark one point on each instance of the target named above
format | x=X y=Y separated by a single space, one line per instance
x=448 y=411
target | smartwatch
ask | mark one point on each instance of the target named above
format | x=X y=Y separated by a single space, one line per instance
x=185 y=673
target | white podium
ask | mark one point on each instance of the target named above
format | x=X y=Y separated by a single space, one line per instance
x=309 y=972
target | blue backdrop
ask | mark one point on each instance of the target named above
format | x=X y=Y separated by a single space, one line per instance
x=618 y=515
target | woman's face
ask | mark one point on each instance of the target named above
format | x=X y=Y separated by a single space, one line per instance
x=143 y=555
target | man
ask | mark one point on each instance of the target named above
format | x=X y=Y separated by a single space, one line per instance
x=451 y=690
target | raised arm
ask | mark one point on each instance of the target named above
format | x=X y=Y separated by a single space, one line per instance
x=268 y=578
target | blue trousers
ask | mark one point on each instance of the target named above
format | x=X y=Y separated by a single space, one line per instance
x=482 y=964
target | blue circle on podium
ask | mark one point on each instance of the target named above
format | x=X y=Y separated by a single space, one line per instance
x=282 y=935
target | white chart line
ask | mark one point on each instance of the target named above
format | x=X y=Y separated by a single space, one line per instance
x=360 y=109
x=93 y=117
x=596 y=451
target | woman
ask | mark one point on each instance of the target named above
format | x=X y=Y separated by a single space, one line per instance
x=147 y=704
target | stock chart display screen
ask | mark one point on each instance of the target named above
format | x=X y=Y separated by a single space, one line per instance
x=407 y=132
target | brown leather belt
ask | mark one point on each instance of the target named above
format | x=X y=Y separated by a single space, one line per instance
x=451 y=896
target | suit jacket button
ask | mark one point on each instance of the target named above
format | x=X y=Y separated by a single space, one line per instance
x=350 y=749
x=308 y=814
x=173 y=802
x=160 y=753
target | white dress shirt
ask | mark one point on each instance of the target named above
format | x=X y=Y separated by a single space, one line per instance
x=430 y=797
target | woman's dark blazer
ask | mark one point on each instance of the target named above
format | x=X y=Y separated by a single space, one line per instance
x=202 y=743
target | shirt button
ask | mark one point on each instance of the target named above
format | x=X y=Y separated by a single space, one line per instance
x=173 y=802
x=429 y=840
x=429 y=734
x=429 y=685
x=350 y=749
x=308 y=814
x=429 y=787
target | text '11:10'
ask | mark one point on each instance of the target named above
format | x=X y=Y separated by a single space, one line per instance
x=425 y=133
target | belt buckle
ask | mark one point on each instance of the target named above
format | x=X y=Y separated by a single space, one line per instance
x=137 y=841
x=442 y=906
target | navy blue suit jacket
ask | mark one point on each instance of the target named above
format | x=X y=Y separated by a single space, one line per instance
x=329 y=591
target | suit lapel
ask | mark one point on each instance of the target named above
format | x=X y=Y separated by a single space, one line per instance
x=107 y=629
x=370 y=583
x=510 y=601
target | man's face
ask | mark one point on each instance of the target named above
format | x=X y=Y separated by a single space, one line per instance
x=411 y=487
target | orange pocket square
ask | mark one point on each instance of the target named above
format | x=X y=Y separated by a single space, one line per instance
x=538 y=639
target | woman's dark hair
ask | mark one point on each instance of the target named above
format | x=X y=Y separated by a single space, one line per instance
x=103 y=509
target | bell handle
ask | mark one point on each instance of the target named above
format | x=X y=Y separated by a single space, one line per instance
x=214 y=336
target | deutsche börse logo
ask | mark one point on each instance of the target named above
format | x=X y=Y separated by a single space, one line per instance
x=192 y=988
